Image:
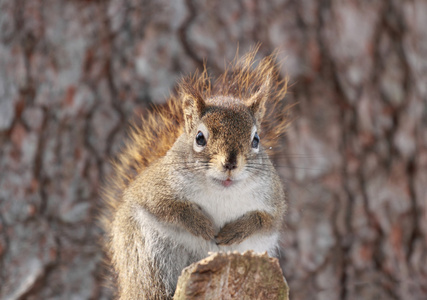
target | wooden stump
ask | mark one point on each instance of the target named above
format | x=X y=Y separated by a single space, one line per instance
x=233 y=276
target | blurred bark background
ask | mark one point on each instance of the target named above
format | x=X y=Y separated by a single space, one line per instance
x=73 y=73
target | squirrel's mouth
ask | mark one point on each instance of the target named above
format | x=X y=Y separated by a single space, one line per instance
x=225 y=183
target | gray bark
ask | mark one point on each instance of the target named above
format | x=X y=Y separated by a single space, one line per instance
x=73 y=73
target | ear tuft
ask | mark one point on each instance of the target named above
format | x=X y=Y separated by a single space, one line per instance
x=257 y=101
x=193 y=105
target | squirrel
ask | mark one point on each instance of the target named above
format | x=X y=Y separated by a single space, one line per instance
x=195 y=177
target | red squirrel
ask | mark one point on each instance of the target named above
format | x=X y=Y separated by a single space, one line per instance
x=196 y=177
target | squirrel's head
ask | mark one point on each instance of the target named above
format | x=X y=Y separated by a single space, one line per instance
x=224 y=133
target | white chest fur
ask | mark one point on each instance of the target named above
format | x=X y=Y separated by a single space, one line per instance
x=151 y=229
x=222 y=205
x=228 y=204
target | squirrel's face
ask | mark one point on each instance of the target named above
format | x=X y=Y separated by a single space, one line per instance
x=227 y=139
x=224 y=137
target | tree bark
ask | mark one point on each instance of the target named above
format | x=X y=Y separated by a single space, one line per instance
x=73 y=73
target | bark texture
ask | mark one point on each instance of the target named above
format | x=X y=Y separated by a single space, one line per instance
x=73 y=73
x=246 y=276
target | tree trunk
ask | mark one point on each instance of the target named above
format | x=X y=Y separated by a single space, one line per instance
x=73 y=73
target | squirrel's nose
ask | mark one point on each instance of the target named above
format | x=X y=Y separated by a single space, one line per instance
x=231 y=164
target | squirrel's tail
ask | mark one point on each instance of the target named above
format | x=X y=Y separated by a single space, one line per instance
x=146 y=143
x=164 y=124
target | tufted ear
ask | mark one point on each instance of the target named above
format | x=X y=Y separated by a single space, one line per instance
x=193 y=106
x=257 y=102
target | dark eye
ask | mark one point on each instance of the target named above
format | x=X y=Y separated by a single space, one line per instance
x=200 y=139
x=255 y=141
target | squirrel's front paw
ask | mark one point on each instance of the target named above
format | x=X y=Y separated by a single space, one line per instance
x=232 y=233
x=200 y=225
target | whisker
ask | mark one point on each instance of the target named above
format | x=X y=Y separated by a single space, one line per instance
x=288 y=166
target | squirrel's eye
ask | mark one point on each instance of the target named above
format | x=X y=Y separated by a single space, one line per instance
x=200 y=139
x=255 y=141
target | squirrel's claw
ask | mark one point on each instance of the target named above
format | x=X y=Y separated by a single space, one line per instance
x=228 y=235
x=200 y=225
x=208 y=233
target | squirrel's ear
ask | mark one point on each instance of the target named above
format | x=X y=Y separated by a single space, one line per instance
x=257 y=101
x=193 y=106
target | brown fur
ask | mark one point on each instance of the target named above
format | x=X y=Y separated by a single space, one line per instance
x=258 y=89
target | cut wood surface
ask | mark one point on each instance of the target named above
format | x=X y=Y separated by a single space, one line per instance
x=233 y=276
